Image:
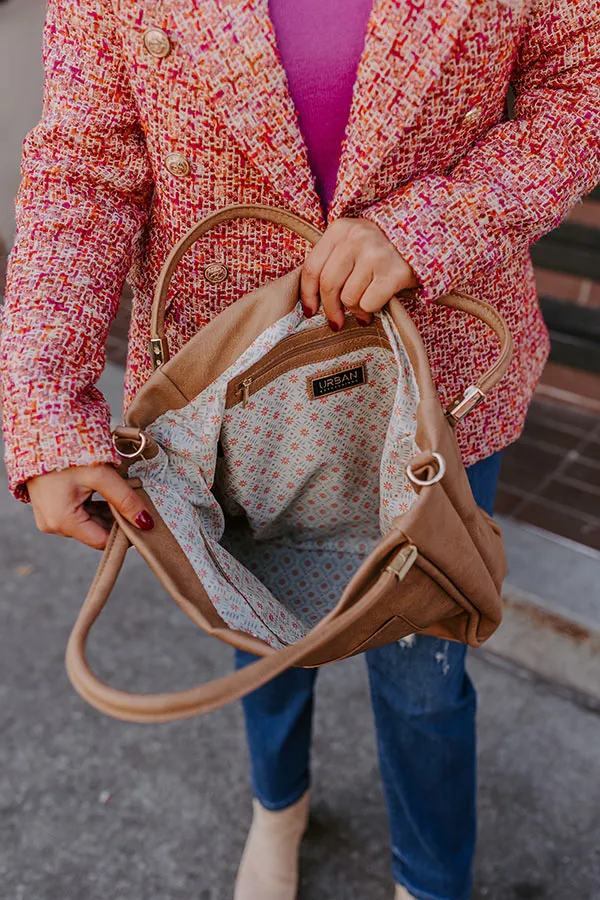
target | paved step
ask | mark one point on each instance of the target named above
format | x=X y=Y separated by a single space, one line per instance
x=553 y=572
x=552 y=609
x=550 y=478
x=111 y=385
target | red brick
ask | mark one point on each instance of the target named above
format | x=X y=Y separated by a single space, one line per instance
x=572 y=386
x=594 y=297
x=555 y=518
x=558 y=285
x=586 y=213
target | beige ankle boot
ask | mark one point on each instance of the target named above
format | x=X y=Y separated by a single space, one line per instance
x=269 y=866
x=402 y=893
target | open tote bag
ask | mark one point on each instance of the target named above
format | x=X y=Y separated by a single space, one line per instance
x=309 y=497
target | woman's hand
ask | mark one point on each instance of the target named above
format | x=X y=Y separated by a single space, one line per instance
x=61 y=503
x=355 y=266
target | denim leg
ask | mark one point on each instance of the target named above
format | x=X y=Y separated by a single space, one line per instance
x=483 y=478
x=424 y=705
x=279 y=729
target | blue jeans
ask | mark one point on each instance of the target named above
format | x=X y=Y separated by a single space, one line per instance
x=424 y=706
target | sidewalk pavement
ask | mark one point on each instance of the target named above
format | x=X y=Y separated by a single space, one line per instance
x=93 y=808
x=20 y=98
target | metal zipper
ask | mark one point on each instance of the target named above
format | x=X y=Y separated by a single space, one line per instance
x=403 y=561
x=246 y=384
x=244 y=389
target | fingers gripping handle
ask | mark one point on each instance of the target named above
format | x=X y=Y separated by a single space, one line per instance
x=204 y=698
x=303 y=228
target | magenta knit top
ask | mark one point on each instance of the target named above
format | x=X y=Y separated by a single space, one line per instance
x=320 y=43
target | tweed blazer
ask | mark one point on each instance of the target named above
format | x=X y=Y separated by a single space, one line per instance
x=160 y=111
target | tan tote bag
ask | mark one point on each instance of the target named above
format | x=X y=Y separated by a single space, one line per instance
x=308 y=493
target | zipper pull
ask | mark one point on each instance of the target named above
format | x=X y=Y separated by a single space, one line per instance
x=401 y=564
x=245 y=391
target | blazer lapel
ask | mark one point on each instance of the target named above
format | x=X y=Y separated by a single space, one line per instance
x=232 y=46
x=406 y=45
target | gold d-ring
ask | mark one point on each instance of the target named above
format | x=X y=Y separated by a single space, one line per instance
x=425 y=482
x=136 y=453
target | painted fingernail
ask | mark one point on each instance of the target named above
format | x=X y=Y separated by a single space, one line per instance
x=144 y=521
x=307 y=311
x=334 y=326
x=363 y=322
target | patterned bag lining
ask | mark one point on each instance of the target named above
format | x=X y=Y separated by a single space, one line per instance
x=281 y=476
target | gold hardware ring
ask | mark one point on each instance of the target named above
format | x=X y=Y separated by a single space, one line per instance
x=143 y=443
x=425 y=482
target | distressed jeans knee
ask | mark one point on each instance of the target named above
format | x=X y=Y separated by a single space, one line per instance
x=423 y=674
x=424 y=705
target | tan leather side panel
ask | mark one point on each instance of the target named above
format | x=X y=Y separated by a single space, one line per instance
x=214 y=349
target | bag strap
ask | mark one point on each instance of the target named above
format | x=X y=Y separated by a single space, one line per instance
x=158 y=343
x=159 y=347
x=475 y=393
x=204 y=698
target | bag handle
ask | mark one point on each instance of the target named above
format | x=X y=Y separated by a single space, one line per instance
x=158 y=342
x=204 y=698
x=159 y=348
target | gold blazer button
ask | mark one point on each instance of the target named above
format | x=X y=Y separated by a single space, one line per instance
x=157 y=43
x=472 y=116
x=215 y=273
x=178 y=165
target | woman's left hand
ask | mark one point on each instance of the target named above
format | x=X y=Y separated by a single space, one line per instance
x=353 y=266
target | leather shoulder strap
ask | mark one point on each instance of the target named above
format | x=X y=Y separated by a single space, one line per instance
x=206 y=697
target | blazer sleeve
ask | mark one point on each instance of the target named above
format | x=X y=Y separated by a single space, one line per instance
x=81 y=208
x=521 y=178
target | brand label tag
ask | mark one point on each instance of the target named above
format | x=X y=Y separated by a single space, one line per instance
x=337 y=380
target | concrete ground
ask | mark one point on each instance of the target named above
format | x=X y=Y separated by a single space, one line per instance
x=20 y=94
x=93 y=808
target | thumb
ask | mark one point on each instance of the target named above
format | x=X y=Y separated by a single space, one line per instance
x=114 y=488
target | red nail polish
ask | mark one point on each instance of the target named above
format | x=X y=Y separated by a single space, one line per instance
x=144 y=521
x=335 y=327
x=307 y=311
x=363 y=322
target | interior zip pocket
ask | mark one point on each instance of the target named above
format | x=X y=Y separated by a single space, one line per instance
x=313 y=345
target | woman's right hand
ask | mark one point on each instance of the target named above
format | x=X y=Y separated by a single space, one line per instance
x=61 y=504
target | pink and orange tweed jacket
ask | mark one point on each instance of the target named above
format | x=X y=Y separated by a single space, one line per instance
x=140 y=138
